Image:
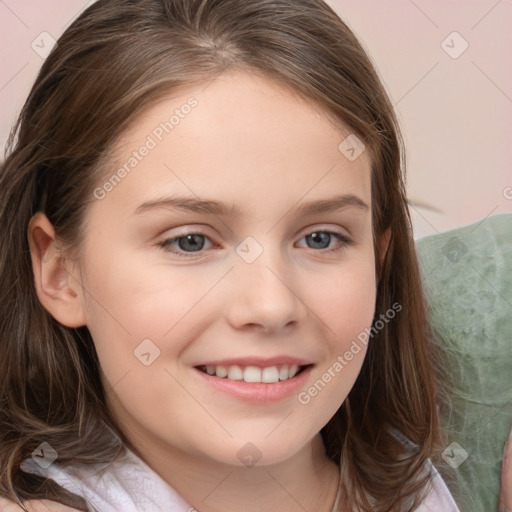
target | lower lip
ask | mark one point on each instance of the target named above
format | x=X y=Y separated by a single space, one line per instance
x=258 y=392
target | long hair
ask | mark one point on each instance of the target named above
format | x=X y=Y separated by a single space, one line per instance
x=118 y=58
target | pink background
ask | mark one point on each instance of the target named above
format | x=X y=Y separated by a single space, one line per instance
x=455 y=113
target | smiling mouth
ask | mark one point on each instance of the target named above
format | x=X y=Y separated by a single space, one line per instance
x=266 y=375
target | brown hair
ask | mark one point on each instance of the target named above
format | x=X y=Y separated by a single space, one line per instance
x=116 y=59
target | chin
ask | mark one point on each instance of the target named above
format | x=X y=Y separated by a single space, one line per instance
x=258 y=451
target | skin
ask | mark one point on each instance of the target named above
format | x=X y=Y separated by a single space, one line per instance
x=251 y=142
x=506 y=477
x=34 y=506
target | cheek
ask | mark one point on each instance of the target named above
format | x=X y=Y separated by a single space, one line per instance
x=141 y=321
x=347 y=308
x=346 y=300
x=129 y=301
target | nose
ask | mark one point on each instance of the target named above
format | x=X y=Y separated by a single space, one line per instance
x=264 y=294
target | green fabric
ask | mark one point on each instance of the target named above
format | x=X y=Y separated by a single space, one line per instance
x=467 y=274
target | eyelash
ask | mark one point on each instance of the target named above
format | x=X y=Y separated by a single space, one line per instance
x=165 y=244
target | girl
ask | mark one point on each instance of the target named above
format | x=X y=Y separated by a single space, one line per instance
x=211 y=299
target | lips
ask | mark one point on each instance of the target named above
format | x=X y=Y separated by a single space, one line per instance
x=255 y=369
x=253 y=390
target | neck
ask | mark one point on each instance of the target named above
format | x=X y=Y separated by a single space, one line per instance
x=306 y=481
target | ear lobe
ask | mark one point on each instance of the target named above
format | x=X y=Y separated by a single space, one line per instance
x=59 y=293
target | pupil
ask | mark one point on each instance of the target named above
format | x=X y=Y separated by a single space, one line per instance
x=189 y=240
x=318 y=236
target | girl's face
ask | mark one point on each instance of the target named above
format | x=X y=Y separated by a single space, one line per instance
x=207 y=253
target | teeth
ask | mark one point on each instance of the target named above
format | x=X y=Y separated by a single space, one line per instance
x=293 y=370
x=270 y=375
x=221 y=371
x=235 y=373
x=267 y=375
x=252 y=374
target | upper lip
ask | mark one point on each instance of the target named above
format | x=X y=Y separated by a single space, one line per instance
x=262 y=362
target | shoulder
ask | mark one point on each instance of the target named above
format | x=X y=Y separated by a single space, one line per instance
x=126 y=484
x=438 y=498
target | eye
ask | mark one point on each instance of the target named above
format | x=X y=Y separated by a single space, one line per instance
x=323 y=239
x=186 y=242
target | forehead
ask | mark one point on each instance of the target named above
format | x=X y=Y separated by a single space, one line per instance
x=242 y=137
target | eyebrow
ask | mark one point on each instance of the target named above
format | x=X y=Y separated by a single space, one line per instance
x=213 y=207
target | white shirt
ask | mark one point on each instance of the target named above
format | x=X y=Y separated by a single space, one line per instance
x=130 y=485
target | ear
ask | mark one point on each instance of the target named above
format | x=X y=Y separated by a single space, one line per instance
x=58 y=291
